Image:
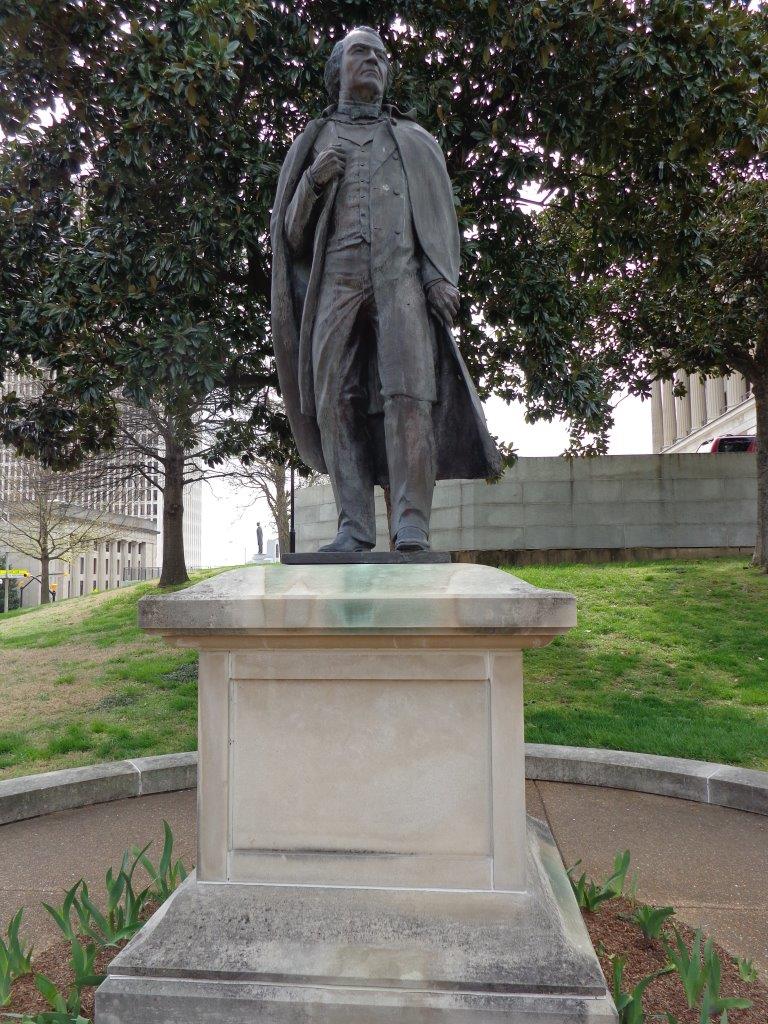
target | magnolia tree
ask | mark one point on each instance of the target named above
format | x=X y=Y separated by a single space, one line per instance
x=134 y=255
x=714 y=318
x=706 y=314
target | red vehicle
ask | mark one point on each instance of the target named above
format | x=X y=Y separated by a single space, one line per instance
x=730 y=443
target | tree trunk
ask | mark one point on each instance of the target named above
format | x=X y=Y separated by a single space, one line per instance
x=45 y=579
x=760 y=557
x=174 y=568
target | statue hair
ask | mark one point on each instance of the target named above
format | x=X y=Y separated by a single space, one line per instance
x=333 y=67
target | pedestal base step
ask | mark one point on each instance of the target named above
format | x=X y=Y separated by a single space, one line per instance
x=239 y=954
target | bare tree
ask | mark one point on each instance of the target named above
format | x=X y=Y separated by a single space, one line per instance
x=50 y=518
x=270 y=480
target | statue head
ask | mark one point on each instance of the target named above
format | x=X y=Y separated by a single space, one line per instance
x=358 y=68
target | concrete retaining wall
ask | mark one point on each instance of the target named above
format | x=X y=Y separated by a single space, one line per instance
x=633 y=504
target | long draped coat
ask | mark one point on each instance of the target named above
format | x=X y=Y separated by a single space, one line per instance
x=465 y=449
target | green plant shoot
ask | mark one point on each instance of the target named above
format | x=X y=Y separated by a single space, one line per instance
x=651 y=920
x=167 y=876
x=629 y=1005
x=15 y=958
x=589 y=895
x=746 y=968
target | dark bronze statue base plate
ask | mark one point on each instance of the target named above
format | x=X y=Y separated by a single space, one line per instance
x=365 y=557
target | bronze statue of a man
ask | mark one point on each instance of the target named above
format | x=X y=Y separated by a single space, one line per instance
x=364 y=292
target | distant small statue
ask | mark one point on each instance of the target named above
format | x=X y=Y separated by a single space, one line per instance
x=260 y=538
x=364 y=293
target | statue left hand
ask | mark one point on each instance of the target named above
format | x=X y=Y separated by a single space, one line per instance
x=444 y=299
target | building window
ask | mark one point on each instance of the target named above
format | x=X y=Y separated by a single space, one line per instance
x=82 y=565
x=82 y=587
x=94 y=568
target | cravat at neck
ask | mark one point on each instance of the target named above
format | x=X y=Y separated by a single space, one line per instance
x=356 y=111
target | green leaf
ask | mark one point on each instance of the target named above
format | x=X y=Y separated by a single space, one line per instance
x=50 y=993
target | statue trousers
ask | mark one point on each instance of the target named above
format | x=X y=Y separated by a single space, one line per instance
x=356 y=331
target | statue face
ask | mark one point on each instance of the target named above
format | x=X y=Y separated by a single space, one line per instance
x=364 y=68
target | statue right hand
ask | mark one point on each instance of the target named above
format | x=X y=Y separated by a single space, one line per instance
x=329 y=164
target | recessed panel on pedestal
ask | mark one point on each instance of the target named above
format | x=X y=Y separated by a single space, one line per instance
x=357 y=766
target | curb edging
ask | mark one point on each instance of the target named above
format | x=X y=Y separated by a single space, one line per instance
x=743 y=789
x=705 y=782
x=29 y=796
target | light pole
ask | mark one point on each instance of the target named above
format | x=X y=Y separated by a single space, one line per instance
x=292 y=535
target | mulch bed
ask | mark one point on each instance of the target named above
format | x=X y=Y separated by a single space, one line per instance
x=54 y=964
x=610 y=934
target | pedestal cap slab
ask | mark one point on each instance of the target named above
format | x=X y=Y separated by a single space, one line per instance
x=406 y=601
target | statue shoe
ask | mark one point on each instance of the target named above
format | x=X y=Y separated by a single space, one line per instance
x=345 y=542
x=411 y=538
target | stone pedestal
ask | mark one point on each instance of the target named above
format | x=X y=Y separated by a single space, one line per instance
x=363 y=849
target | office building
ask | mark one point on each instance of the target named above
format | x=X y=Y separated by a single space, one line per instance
x=712 y=407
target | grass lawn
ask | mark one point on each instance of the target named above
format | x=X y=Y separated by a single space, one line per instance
x=668 y=657
x=80 y=683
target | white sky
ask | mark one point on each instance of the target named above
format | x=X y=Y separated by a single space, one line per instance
x=230 y=514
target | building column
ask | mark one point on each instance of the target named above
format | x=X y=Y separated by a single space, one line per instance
x=657 y=416
x=79 y=586
x=683 y=406
x=112 y=547
x=668 y=413
x=101 y=560
x=698 y=404
x=735 y=389
x=715 y=392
